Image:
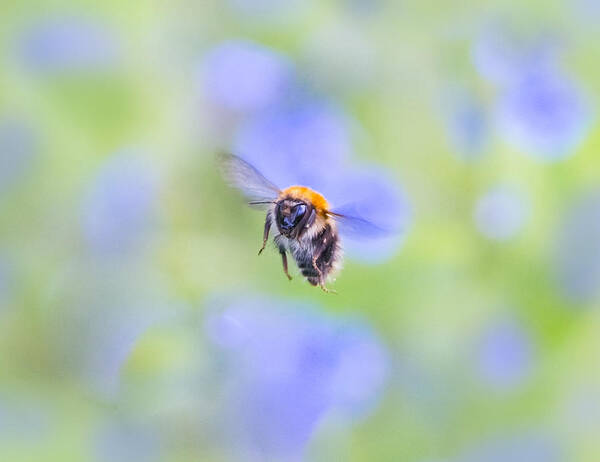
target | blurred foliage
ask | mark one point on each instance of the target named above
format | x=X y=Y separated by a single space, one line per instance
x=127 y=267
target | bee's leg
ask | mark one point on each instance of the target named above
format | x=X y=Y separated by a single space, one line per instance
x=325 y=289
x=322 y=245
x=325 y=242
x=311 y=219
x=266 y=232
x=284 y=261
x=321 y=278
x=315 y=266
x=280 y=243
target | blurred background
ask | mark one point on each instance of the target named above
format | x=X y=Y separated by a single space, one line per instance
x=137 y=322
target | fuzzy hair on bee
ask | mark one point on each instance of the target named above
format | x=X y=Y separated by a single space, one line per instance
x=307 y=232
x=306 y=226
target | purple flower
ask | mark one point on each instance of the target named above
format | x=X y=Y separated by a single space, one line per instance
x=578 y=250
x=505 y=354
x=18 y=147
x=68 y=44
x=543 y=114
x=119 y=206
x=289 y=367
x=244 y=76
x=500 y=213
x=527 y=447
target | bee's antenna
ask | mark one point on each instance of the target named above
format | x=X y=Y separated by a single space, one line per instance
x=260 y=202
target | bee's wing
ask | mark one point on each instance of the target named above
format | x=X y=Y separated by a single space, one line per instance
x=243 y=176
x=357 y=228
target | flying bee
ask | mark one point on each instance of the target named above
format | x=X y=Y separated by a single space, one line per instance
x=307 y=227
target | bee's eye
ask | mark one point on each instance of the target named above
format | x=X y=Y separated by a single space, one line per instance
x=289 y=220
x=298 y=212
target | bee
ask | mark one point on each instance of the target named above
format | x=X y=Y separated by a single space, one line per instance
x=307 y=227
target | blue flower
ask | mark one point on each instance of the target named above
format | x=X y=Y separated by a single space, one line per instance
x=68 y=44
x=372 y=194
x=302 y=144
x=578 y=250
x=360 y=373
x=119 y=207
x=530 y=446
x=290 y=366
x=244 y=76
x=501 y=54
x=540 y=111
x=543 y=114
x=18 y=147
x=505 y=354
x=500 y=213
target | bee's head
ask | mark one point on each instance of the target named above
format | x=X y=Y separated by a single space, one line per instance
x=291 y=216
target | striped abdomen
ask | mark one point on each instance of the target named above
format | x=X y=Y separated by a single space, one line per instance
x=326 y=248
